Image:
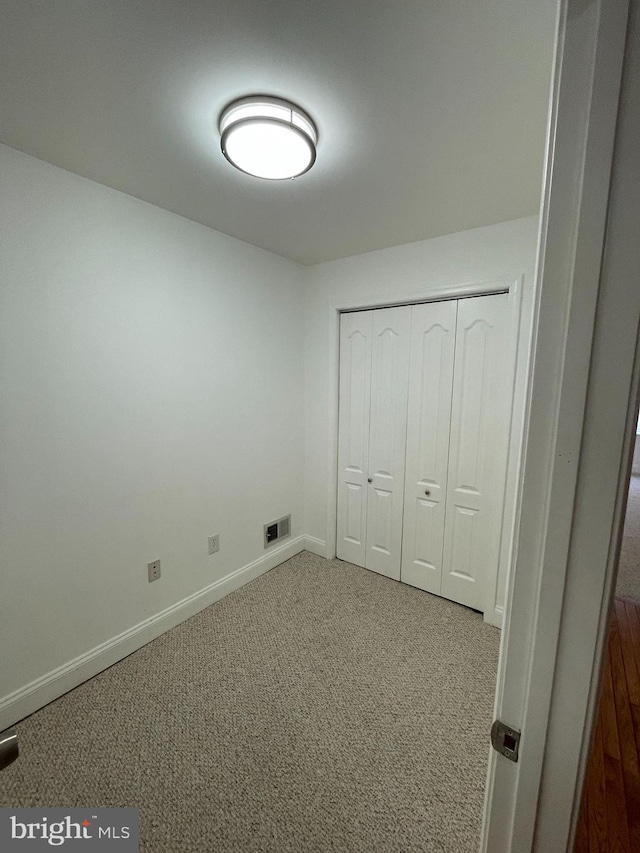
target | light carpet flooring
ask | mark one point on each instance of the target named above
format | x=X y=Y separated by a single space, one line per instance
x=320 y=708
x=628 y=583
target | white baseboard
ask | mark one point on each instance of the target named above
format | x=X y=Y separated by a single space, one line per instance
x=19 y=704
x=316 y=546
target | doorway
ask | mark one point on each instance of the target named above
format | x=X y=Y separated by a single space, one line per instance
x=628 y=580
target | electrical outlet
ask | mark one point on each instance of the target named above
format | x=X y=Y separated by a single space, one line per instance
x=154 y=570
x=214 y=544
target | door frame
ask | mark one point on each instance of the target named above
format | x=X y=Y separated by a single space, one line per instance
x=581 y=407
x=513 y=286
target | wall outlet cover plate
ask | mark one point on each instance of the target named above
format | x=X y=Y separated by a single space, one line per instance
x=153 y=570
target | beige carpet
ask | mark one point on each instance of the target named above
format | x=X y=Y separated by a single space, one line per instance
x=628 y=583
x=320 y=708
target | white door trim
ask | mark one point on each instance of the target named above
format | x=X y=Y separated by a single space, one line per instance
x=603 y=477
x=584 y=102
x=512 y=286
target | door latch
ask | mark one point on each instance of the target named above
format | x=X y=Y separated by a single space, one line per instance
x=505 y=740
x=8 y=747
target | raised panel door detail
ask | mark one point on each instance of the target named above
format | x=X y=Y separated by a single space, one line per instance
x=433 y=329
x=381 y=512
x=354 y=522
x=353 y=435
x=464 y=542
x=474 y=346
x=482 y=386
x=387 y=439
x=357 y=345
x=426 y=530
x=383 y=416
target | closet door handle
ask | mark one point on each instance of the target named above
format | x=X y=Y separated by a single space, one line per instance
x=369 y=479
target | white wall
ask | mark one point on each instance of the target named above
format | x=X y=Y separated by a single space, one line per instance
x=150 y=386
x=151 y=393
x=505 y=251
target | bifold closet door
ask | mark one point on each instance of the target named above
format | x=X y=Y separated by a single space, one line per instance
x=478 y=452
x=387 y=439
x=433 y=335
x=374 y=370
x=353 y=435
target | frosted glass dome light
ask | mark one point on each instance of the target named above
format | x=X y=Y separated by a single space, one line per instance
x=268 y=138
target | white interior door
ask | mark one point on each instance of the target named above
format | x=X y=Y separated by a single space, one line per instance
x=353 y=435
x=433 y=333
x=390 y=337
x=482 y=394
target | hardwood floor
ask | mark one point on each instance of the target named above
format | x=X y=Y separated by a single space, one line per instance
x=610 y=809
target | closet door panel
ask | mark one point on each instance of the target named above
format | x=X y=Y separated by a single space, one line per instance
x=387 y=439
x=433 y=330
x=353 y=435
x=482 y=388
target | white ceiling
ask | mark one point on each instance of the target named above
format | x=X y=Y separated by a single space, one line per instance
x=431 y=113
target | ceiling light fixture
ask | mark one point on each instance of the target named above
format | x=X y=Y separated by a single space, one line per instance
x=268 y=138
